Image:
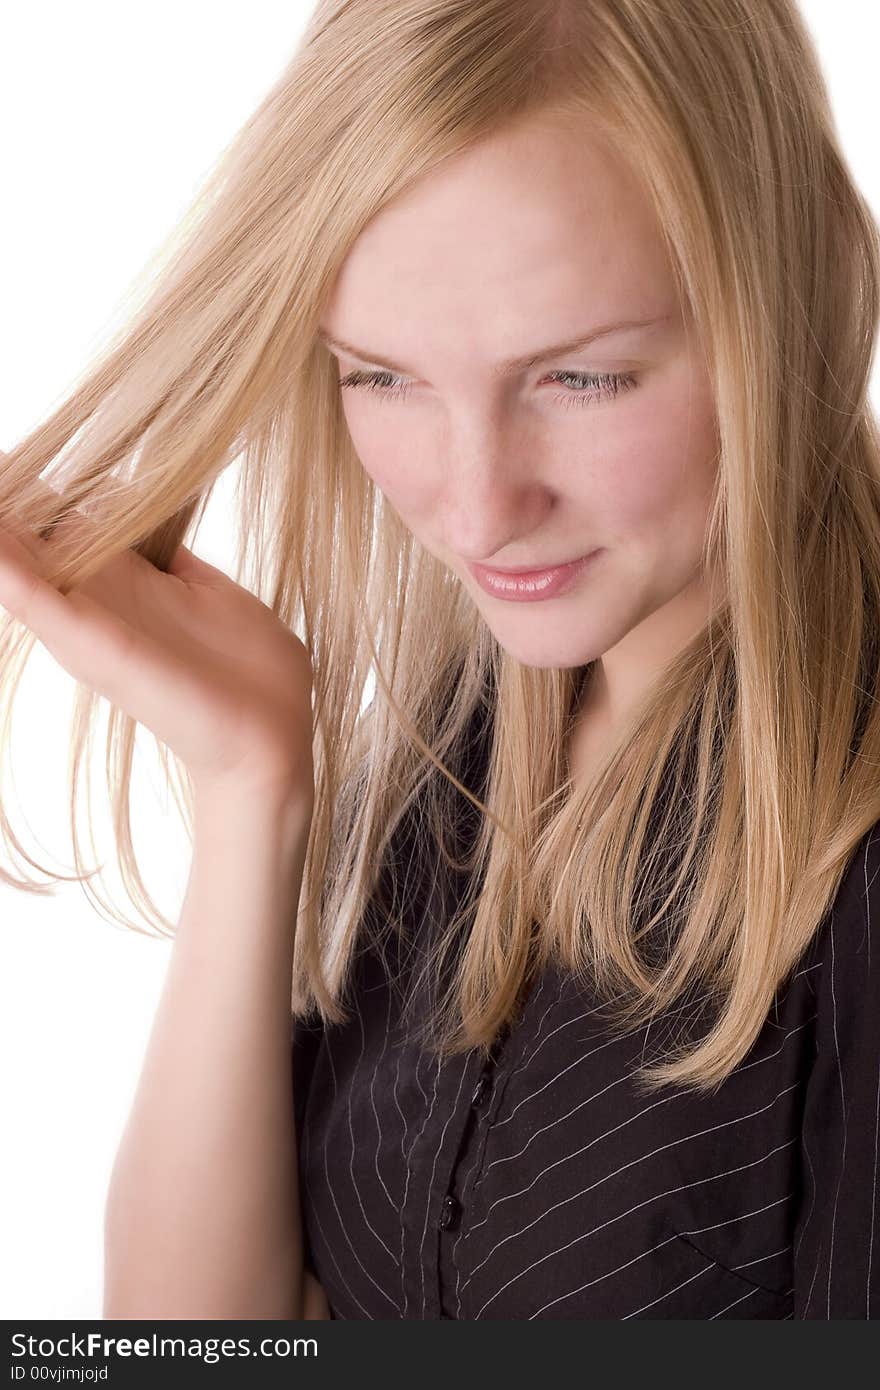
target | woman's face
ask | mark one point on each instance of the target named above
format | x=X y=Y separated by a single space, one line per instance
x=535 y=237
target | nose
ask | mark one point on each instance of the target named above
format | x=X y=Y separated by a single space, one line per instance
x=491 y=495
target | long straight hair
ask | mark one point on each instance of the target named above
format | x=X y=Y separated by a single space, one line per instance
x=723 y=820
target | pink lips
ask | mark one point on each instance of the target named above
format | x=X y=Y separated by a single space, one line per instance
x=527 y=586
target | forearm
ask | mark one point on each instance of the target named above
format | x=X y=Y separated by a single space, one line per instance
x=202 y=1216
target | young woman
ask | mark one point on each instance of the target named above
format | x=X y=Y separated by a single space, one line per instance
x=578 y=919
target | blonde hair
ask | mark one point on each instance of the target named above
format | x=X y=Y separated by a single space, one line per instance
x=724 y=819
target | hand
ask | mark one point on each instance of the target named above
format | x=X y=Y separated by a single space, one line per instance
x=192 y=655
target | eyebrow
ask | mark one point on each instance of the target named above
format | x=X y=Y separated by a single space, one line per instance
x=513 y=364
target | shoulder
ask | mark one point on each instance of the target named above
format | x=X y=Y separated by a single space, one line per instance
x=839 y=1224
x=851 y=932
x=846 y=976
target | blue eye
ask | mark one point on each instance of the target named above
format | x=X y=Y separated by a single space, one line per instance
x=600 y=383
x=383 y=383
x=589 y=384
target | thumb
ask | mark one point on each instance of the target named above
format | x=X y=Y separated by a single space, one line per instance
x=186 y=564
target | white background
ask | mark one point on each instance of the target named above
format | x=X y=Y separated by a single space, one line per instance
x=111 y=114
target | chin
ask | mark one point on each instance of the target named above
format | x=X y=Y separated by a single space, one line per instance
x=546 y=658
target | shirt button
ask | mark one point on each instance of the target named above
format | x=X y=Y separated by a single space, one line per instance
x=481 y=1091
x=450 y=1213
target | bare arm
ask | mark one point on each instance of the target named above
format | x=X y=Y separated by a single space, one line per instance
x=202 y=1217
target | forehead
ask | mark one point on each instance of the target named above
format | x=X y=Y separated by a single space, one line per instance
x=542 y=219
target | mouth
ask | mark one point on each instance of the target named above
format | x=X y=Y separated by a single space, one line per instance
x=533 y=583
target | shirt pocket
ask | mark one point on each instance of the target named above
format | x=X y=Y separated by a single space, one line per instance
x=719 y=1291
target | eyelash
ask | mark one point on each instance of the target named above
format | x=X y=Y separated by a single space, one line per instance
x=600 y=383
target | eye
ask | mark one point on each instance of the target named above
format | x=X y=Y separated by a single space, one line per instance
x=384 y=383
x=588 y=384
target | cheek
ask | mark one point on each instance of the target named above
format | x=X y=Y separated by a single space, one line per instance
x=648 y=466
x=392 y=456
x=664 y=464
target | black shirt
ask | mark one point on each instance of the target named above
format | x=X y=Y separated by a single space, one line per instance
x=541 y=1184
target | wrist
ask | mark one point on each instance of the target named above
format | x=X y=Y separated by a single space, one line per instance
x=235 y=806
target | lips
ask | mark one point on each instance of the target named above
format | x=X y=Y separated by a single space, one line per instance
x=529 y=570
x=529 y=585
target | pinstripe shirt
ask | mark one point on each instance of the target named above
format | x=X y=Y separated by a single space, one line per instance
x=542 y=1184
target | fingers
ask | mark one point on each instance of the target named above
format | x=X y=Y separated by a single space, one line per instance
x=185 y=564
x=23 y=544
x=86 y=629
x=112 y=585
x=37 y=546
x=24 y=593
x=93 y=643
